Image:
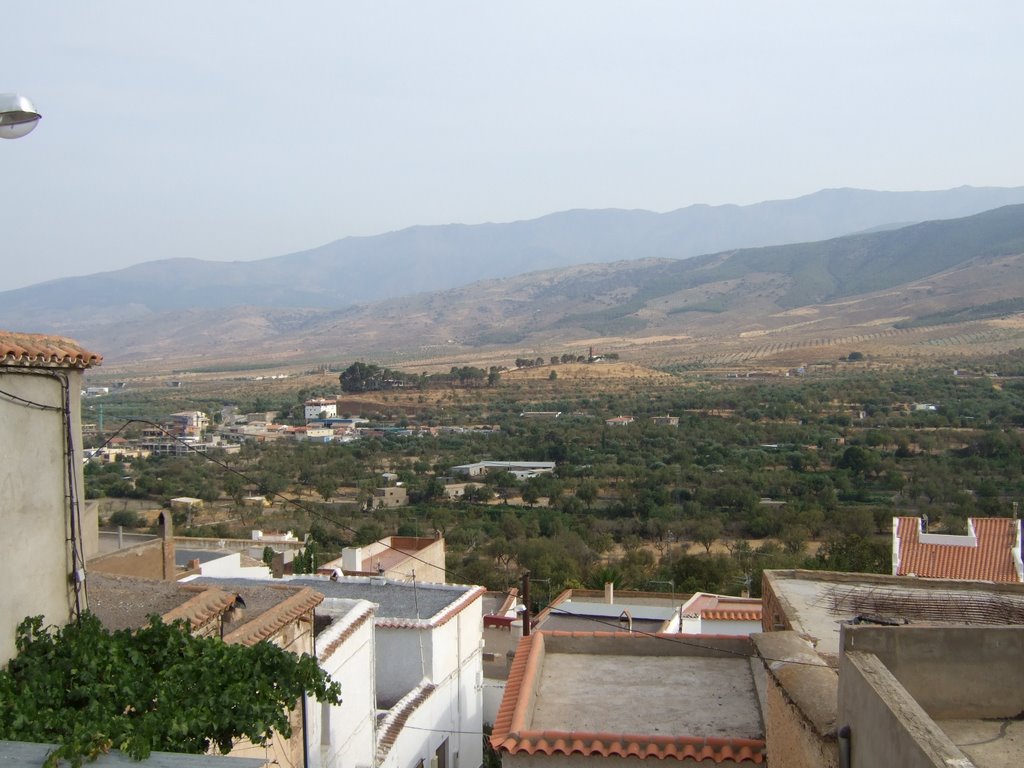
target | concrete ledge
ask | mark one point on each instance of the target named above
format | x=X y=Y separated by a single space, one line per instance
x=805 y=678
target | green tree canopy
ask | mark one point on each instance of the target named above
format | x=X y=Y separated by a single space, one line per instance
x=159 y=688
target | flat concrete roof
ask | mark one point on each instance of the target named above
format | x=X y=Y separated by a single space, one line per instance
x=583 y=623
x=817 y=603
x=692 y=695
x=988 y=743
x=395 y=599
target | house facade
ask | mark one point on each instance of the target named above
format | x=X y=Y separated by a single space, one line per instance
x=41 y=474
x=425 y=664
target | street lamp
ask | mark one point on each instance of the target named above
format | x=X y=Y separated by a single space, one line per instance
x=17 y=116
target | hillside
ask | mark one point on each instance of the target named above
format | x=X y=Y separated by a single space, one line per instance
x=357 y=271
x=936 y=288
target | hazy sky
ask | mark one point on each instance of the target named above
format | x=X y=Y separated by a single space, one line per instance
x=246 y=129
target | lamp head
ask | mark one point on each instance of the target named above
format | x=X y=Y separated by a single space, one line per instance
x=18 y=117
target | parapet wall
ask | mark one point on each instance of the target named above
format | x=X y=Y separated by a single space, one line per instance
x=951 y=672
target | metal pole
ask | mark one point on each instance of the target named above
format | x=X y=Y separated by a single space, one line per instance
x=526 y=603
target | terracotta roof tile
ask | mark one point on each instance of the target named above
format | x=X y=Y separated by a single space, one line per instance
x=202 y=608
x=34 y=349
x=509 y=734
x=351 y=624
x=396 y=717
x=272 y=621
x=724 y=607
x=731 y=615
x=990 y=560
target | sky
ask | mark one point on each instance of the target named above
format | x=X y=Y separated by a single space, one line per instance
x=238 y=130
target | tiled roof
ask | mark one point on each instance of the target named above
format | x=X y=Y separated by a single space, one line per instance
x=731 y=615
x=272 y=621
x=34 y=349
x=395 y=720
x=511 y=735
x=333 y=638
x=400 y=604
x=201 y=608
x=724 y=608
x=991 y=559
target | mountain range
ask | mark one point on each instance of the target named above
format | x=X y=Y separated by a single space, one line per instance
x=617 y=277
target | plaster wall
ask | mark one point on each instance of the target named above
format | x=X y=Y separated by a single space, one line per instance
x=800 y=702
x=981 y=674
x=792 y=740
x=493 y=692
x=144 y=560
x=453 y=712
x=711 y=627
x=344 y=734
x=887 y=727
x=403 y=660
x=230 y=566
x=36 y=567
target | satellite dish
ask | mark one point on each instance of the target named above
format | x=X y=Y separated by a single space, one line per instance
x=18 y=116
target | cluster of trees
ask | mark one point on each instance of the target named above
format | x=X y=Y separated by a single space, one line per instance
x=769 y=465
x=532 y=362
x=366 y=377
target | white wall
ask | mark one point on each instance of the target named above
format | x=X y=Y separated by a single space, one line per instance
x=344 y=735
x=36 y=564
x=454 y=711
x=711 y=627
x=230 y=567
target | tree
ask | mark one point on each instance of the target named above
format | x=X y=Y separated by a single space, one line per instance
x=127 y=518
x=707 y=532
x=587 y=492
x=158 y=688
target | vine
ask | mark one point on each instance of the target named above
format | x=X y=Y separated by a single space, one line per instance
x=158 y=688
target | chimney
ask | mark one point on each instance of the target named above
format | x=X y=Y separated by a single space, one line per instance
x=609 y=592
x=170 y=570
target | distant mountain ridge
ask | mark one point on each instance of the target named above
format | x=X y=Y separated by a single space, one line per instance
x=886 y=284
x=362 y=270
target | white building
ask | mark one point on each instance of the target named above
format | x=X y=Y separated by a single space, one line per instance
x=46 y=539
x=708 y=614
x=408 y=657
x=320 y=408
x=521 y=469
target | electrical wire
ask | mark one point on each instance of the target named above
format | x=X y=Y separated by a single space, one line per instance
x=71 y=489
x=17 y=400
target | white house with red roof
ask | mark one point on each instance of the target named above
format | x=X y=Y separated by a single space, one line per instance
x=709 y=614
x=990 y=550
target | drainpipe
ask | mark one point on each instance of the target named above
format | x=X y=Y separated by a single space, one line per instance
x=305 y=734
x=844 y=747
